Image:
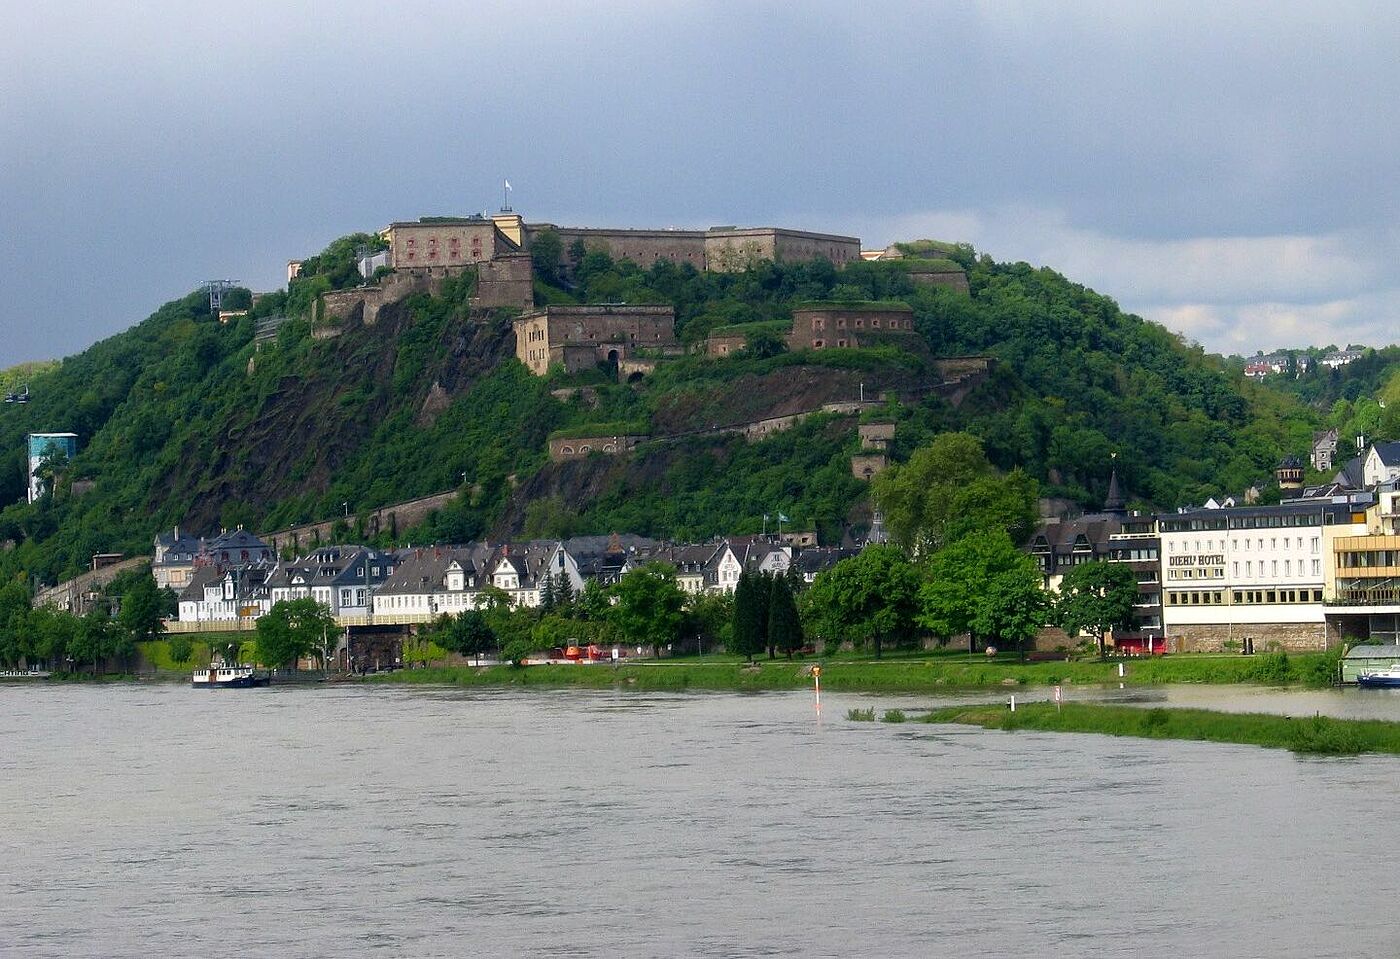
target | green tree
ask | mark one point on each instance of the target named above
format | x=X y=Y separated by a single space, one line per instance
x=978 y=585
x=650 y=606
x=784 y=625
x=1015 y=607
x=948 y=490
x=467 y=634
x=51 y=633
x=709 y=616
x=93 y=638
x=749 y=628
x=293 y=629
x=181 y=649
x=142 y=606
x=546 y=253
x=871 y=598
x=14 y=622
x=764 y=343
x=1095 y=598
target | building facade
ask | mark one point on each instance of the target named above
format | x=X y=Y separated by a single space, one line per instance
x=580 y=337
x=818 y=326
x=445 y=242
x=1234 y=578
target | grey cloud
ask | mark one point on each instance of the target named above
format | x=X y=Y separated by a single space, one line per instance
x=145 y=148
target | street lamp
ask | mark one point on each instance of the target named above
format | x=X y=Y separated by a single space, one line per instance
x=346 y=506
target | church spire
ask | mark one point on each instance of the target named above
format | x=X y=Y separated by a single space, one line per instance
x=1114 y=502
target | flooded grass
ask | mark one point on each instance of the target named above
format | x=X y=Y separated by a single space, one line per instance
x=939 y=672
x=1317 y=735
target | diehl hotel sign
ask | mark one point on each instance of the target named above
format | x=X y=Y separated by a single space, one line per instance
x=1203 y=559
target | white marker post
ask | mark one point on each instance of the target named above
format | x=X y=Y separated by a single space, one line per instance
x=817 y=686
x=1058 y=698
x=1013 y=704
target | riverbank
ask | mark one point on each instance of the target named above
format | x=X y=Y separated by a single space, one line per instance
x=893 y=676
x=1314 y=735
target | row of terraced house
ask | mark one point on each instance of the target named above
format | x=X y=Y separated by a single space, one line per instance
x=418 y=584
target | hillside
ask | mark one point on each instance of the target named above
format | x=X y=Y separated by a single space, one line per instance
x=184 y=420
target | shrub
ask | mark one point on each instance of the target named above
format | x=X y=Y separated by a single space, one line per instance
x=1324 y=737
x=861 y=715
x=181 y=649
x=893 y=716
x=1272 y=669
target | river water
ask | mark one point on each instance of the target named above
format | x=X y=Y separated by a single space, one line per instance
x=149 y=820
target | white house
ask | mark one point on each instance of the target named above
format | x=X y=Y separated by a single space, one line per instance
x=1250 y=573
x=1381 y=464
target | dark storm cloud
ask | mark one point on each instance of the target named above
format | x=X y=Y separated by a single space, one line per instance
x=1226 y=169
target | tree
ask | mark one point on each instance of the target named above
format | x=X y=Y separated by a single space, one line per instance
x=1095 y=598
x=142 y=605
x=749 y=632
x=546 y=252
x=14 y=622
x=764 y=343
x=784 y=626
x=871 y=598
x=292 y=629
x=467 y=634
x=93 y=638
x=1015 y=607
x=51 y=634
x=948 y=490
x=650 y=605
x=181 y=649
x=710 y=617
x=982 y=585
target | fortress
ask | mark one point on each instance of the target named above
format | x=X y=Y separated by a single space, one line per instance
x=422 y=254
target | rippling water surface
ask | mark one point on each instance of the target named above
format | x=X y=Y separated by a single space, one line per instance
x=159 y=820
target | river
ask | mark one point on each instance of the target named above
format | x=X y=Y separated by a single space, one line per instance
x=156 y=820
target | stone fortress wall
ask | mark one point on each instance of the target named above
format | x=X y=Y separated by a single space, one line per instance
x=579 y=337
x=821 y=326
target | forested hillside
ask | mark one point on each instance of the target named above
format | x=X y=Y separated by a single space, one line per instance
x=182 y=419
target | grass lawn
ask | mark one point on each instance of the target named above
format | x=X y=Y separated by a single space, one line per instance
x=1317 y=735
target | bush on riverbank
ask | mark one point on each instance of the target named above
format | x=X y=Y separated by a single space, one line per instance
x=1315 y=735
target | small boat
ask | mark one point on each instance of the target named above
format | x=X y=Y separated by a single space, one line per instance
x=228 y=677
x=24 y=674
x=1381 y=679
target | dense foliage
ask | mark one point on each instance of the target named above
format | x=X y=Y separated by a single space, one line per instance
x=184 y=420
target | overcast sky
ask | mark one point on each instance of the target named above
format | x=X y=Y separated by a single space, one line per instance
x=1229 y=170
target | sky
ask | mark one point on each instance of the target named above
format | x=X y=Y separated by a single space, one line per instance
x=1228 y=170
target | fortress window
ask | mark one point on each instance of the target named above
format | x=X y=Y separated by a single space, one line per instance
x=874 y=323
x=860 y=323
x=817 y=344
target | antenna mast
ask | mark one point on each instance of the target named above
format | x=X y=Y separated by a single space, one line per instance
x=217 y=289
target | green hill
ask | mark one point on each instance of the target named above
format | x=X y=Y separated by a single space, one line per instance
x=185 y=420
